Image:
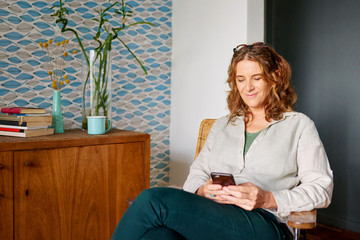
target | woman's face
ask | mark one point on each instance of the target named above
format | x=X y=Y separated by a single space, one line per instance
x=252 y=88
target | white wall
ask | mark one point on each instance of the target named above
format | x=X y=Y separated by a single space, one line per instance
x=204 y=34
x=255 y=18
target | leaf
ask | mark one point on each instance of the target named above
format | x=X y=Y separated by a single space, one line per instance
x=111 y=6
x=124 y=44
x=54 y=6
x=143 y=22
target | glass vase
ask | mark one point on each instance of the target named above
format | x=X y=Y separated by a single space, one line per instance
x=85 y=75
x=97 y=91
x=57 y=117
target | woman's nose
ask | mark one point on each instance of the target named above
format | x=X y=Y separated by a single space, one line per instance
x=249 y=86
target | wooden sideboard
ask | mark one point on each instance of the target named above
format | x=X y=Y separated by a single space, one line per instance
x=71 y=185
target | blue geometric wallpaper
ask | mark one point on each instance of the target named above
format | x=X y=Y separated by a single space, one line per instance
x=139 y=102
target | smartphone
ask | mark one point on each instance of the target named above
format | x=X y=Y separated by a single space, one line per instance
x=224 y=179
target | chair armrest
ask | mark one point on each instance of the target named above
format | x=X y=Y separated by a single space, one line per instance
x=302 y=220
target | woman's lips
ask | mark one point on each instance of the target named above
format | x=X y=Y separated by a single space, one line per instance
x=251 y=95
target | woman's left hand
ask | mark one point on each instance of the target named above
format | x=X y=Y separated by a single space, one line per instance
x=248 y=196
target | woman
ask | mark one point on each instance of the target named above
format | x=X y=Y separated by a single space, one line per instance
x=275 y=154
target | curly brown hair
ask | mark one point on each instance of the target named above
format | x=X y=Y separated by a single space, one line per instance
x=275 y=71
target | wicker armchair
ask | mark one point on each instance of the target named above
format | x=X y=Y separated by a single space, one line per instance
x=297 y=220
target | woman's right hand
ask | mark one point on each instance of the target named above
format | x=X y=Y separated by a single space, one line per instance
x=211 y=191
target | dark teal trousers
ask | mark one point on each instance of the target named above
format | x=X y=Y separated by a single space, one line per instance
x=169 y=214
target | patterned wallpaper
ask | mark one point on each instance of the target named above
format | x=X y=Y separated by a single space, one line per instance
x=139 y=102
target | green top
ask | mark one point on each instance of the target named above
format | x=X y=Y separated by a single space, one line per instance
x=249 y=138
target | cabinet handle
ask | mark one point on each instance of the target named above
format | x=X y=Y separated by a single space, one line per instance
x=129 y=201
x=28 y=164
x=2 y=166
x=1 y=196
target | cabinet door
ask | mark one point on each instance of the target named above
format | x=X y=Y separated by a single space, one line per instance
x=75 y=193
x=6 y=195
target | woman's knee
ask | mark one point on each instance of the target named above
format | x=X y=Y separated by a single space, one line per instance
x=152 y=194
x=159 y=195
x=145 y=196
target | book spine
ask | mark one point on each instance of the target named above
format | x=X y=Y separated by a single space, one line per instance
x=10 y=110
x=11 y=129
x=26 y=118
x=40 y=126
x=13 y=123
x=31 y=114
x=14 y=134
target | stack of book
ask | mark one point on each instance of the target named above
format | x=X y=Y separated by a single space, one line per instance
x=25 y=122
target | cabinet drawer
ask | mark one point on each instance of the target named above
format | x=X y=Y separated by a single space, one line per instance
x=75 y=192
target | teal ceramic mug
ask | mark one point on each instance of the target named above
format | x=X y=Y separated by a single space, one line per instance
x=96 y=125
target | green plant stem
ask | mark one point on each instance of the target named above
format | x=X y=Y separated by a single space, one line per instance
x=101 y=80
x=142 y=66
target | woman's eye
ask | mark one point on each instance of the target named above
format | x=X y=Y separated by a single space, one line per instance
x=258 y=78
x=240 y=80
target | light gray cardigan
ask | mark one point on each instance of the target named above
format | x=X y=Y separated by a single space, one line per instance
x=287 y=158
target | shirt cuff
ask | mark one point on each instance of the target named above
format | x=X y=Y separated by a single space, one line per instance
x=192 y=186
x=283 y=205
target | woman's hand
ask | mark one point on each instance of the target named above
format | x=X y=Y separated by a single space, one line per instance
x=247 y=196
x=211 y=191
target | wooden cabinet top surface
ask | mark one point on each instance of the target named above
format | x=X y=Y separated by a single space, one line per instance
x=71 y=138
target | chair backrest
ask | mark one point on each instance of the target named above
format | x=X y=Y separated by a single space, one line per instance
x=204 y=130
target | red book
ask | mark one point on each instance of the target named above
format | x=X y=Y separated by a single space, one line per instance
x=19 y=110
x=10 y=129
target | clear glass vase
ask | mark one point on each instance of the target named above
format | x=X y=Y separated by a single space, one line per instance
x=97 y=88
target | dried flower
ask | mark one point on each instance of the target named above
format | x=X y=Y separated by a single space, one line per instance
x=56 y=59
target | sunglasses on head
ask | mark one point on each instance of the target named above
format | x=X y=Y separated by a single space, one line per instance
x=257 y=44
